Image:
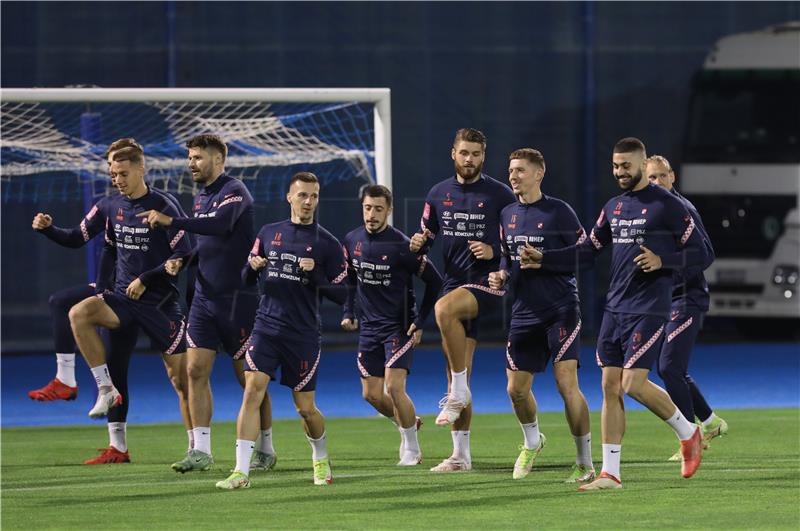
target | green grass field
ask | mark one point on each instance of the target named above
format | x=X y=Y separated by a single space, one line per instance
x=749 y=479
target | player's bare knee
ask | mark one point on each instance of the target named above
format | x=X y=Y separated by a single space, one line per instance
x=80 y=314
x=198 y=372
x=612 y=389
x=306 y=411
x=371 y=396
x=517 y=394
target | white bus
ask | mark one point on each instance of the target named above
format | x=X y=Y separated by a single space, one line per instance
x=741 y=169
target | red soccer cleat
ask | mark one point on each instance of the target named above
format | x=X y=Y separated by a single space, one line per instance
x=55 y=390
x=109 y=456
x=692 y=453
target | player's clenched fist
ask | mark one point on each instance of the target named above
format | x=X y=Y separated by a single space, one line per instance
x=530 y=257
x=306 y=264
x=41 y=221
x=155 y=218
x=349 y=325
x=497 y=279
x=135 y=289
x=648 y=261
x=257 y=262
x=173 y=266
x=418 y=240
x=480 y=250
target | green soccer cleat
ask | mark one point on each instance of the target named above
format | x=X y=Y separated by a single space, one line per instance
x=581 y=474
x=717 y=428
x=194 y=460
x=322 y=472
x=236 y=480
x=263 y=461
x=526 y=458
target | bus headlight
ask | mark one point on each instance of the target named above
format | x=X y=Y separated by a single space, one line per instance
x=785 y=275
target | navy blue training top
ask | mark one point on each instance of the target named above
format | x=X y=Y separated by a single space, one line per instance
x=456 y=213
x=652 y=217
x=382 y=267
x=290 y=304
x=548 y=223
x=223 y=220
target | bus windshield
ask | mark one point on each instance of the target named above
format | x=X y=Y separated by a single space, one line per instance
x=744 y=116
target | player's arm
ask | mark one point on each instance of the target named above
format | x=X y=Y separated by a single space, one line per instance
x=223 y=221
x=572 y=234
x=692 y=252
x=108 y=263
x=331 y=277
x=422 y=241
x=180 y=243
x=498 y=279
x=426 y=271
x=256 y=260
x=92 y=224
x=504 y=198
x=582 y=253
x=349 y=321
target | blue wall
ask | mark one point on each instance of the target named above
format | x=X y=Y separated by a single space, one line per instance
x=568 y=78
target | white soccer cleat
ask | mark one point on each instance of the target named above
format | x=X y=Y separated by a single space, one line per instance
x=452 y=406
x=105 y=401
x=410 y=459
x=452 y=464
x=604 y=481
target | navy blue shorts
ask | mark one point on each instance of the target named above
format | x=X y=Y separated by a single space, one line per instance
x=224 y=321
x=629 y=341
x=297 y=358
x=529 y=348
x=489 y=301
x=164 y=325
x=681 y=332
x=394 y=351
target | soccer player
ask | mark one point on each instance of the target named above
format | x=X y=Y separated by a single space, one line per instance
x=144 y=294
x=297 y=261
x=382 y=266
x=64 y=386
x=651 y=234
x=689 y=306
x=464 y=212
x=222 y=311
x=546 y=317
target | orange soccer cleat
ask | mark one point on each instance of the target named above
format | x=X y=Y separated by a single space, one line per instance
x=109 y=456
x=55 y=390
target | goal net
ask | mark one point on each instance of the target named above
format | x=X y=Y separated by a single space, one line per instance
x=53 y=139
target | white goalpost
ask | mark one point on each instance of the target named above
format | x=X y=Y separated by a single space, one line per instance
x=52 y=133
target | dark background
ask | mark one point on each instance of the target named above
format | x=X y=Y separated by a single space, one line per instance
x=567 y=78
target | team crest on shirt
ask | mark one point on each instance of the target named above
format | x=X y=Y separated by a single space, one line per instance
x=357 y=250
x=276 y=240
x=618 y=209
x=120 y=217
x=513 y=223
x=448 y=200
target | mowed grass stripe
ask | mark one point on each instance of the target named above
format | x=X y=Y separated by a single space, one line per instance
x=748 y=479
